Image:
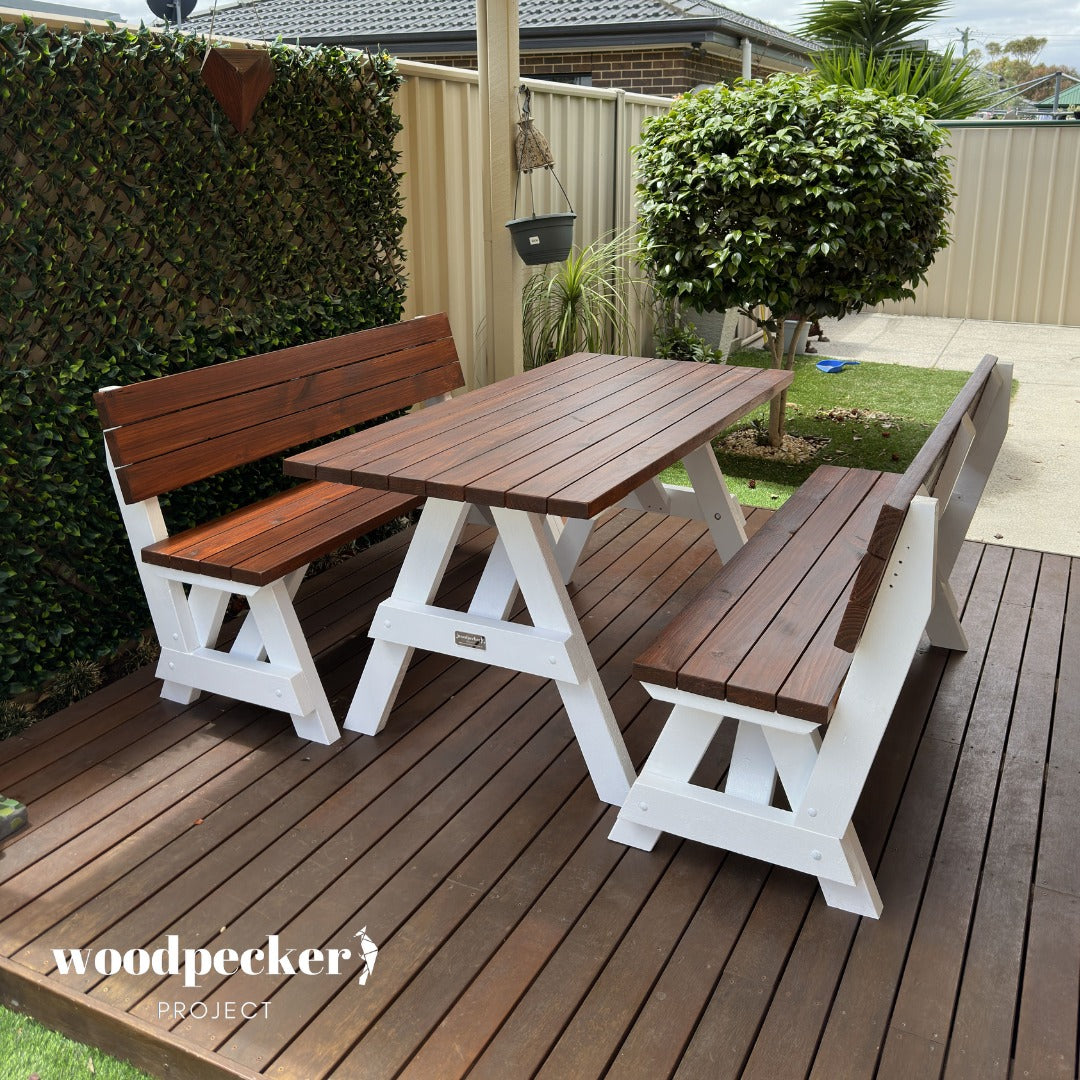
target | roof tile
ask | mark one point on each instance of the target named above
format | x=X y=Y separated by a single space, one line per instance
x=372 y=19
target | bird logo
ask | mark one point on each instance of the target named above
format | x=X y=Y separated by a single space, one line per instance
x=370 y=952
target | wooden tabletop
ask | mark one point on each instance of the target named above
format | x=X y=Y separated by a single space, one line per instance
x=570 y=438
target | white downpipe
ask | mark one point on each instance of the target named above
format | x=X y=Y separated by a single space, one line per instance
x=747 y=51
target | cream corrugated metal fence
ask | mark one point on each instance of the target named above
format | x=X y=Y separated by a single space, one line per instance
x=1016 y=226
x=590 y=131
x=1016 y=220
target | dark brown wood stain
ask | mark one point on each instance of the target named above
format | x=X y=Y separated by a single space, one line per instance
x=515 y=939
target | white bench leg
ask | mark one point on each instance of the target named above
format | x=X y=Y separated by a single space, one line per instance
x=187 y=611
x=943 y=627
x=796 y=756
x=248 y=641
x=679 y=749
x=179 y=692
x=175 y=628
x=863 y=897
x=207 y=608
x=752 y=773
x=286 y=647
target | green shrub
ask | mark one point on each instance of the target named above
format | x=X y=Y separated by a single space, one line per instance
x=790 y=196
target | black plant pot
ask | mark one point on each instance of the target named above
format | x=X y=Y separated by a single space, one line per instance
x=543 y=238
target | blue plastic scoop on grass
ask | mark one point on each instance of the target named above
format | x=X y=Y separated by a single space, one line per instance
x=830 y=366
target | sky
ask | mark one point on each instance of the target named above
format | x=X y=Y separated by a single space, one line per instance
x=987 y=20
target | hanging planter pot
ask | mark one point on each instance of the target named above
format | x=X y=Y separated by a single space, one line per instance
x=543 y=238
x=239 y=79
x=539 y=238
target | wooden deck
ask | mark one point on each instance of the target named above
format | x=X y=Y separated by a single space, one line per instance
x=515 y=939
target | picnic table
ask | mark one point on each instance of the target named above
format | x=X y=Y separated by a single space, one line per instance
x=539 y=456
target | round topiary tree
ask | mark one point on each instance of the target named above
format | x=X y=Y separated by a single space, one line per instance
x=792 y=195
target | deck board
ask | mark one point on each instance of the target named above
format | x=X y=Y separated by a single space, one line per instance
x=515 y=939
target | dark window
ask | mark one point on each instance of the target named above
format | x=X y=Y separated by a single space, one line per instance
x=573 y=78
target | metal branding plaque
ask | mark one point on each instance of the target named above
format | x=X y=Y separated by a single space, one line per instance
x=470 y=641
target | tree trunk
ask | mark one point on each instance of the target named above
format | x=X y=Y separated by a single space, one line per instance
x=777 y=410
x=786 y=361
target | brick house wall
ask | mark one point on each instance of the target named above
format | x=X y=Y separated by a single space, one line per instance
x=644 y=71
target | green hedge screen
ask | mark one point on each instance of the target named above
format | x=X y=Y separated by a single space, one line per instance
x=140 y=235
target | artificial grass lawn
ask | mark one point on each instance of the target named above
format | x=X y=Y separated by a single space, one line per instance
x=28 y=1049
x=911 y=401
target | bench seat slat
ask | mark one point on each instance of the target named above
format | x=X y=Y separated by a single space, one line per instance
x=813 y=688
x=661 y=661
x=271 y=538
x=284 y=522
x=208 y=539
x=794 y=637
x=773 y=625
x=710 y=667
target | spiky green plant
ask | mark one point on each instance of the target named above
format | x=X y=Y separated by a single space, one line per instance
x=948 y=88
x=869 y=25
x=78 y=680
x=584 y=303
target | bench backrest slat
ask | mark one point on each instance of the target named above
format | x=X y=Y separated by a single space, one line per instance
x=168 y=432
x=923 y=473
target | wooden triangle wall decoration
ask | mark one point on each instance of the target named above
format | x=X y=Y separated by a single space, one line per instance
x=239 y=79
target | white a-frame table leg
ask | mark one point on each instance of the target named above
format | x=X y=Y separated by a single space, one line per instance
x=528 y=549
x=719 y=508
x=553 y=647
x=498 y=587
x=422 y=571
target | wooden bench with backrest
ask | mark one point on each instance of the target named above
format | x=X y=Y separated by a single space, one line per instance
x=804 y=639
x=165 y=433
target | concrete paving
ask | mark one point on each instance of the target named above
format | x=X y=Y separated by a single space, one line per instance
x=1032 y=499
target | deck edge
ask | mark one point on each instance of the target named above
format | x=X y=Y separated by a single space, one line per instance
x=116 y=1033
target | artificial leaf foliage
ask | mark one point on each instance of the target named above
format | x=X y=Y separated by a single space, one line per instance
x=141 y=235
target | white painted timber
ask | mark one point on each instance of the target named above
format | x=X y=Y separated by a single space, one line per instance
x=422 y=570
x=822 y=777
x=719 y=508
x=475 y=637
x=187 y=622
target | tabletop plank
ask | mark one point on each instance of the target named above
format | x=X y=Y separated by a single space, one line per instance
x=555 y=452
x=485 y=403
x=451 y=458
x=571 y=438
x=634 y=455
